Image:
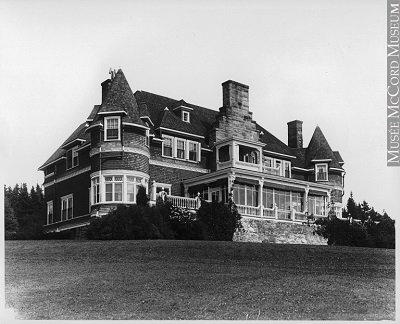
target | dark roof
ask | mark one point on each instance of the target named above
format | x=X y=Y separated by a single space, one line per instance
x=272 y=143
x=319 y=149
x=79 y=133
x=201 y=118
x=120 y=98
x=94 y=112
x=160 y=110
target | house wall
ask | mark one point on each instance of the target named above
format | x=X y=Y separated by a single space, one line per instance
x=127 y=161
x=78 y=186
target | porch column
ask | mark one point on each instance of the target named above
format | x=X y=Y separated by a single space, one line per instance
x=153 y=190
x=231 y=183
x=260 y=196
x=328 y=203
x=305 y=198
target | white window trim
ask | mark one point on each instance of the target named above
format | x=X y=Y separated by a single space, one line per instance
x=119 y=173
x=284 y=168
x=173 y=144
x=50 y=203
x=73 y=150
x=174 y=141
x=183 y=114
x=316 y=171
x=67 y=198
x=105 y=129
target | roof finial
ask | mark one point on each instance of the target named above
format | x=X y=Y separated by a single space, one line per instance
x=112 y=72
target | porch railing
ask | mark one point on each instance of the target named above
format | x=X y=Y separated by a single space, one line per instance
x=284 y=214
x=248 y=210
x=184 y=202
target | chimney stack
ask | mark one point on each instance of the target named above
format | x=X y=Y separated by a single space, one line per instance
x=235 y=95
x=295 y=134
x=105 y=86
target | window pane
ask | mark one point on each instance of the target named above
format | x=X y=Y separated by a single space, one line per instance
x=180 y=152
x=131 y=192
x=192 y=151
x=118 y=191
x=109 y=192
x=168 y=146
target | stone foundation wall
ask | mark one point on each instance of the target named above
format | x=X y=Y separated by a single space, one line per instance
x=268 y=231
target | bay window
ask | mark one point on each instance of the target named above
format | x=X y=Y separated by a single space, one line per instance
x=113 y=185
x=116 y=188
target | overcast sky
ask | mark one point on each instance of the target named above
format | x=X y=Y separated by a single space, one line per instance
x=322 y=62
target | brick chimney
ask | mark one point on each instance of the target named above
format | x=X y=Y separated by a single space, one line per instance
x=295 y=134
x=105 y=86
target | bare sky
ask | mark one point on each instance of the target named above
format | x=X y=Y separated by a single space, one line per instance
x=320 y=61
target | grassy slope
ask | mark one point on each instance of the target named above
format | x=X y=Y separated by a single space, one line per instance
x=197 y=280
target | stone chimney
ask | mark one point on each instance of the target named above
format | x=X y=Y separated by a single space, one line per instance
x=235 y=95
x=295 y=134
x=234 y=118
x=105 y=86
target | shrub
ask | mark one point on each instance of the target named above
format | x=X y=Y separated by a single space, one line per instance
x=185 y=225
x=340 y=232
x=219 y=220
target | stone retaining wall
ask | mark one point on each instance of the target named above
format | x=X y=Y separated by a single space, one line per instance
x=269 y=231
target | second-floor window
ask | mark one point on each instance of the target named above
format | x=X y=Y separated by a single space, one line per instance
x=72 y=158
x=180 y=148
x=112 y=128
x=321 y=171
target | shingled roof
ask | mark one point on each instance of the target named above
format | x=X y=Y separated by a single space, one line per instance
x=78 y=134
x=319 y=149
x=120 y=97
x=163 y=113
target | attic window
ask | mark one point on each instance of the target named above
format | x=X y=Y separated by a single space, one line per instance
x=72 y=158
x=185 y=116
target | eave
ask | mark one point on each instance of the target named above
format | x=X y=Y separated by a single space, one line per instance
x=50 y=163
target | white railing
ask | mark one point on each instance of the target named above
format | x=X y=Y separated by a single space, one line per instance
x=183 y=202
x=284 y=214
x=270 y=170
x=248 y=210
x=298 y=216
x=269 y=213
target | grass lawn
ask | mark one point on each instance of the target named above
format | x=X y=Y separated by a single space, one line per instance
x=91 y=280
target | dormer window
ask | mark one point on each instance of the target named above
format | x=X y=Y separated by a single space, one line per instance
x=185 y=116
x=112 y=128
x=321 y=172
x=72 y=158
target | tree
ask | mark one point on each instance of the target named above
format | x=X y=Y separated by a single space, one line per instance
x=351 y=207
x=10 y=221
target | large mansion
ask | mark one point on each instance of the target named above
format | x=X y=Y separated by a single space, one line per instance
x=134 y=139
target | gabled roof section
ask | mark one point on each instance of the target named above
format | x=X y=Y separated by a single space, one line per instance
x=338 y=157
x=120 y=98
x=201 y=118
x=78 y=134
x=319 y=149
x=272 y=143
x=93 y=113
